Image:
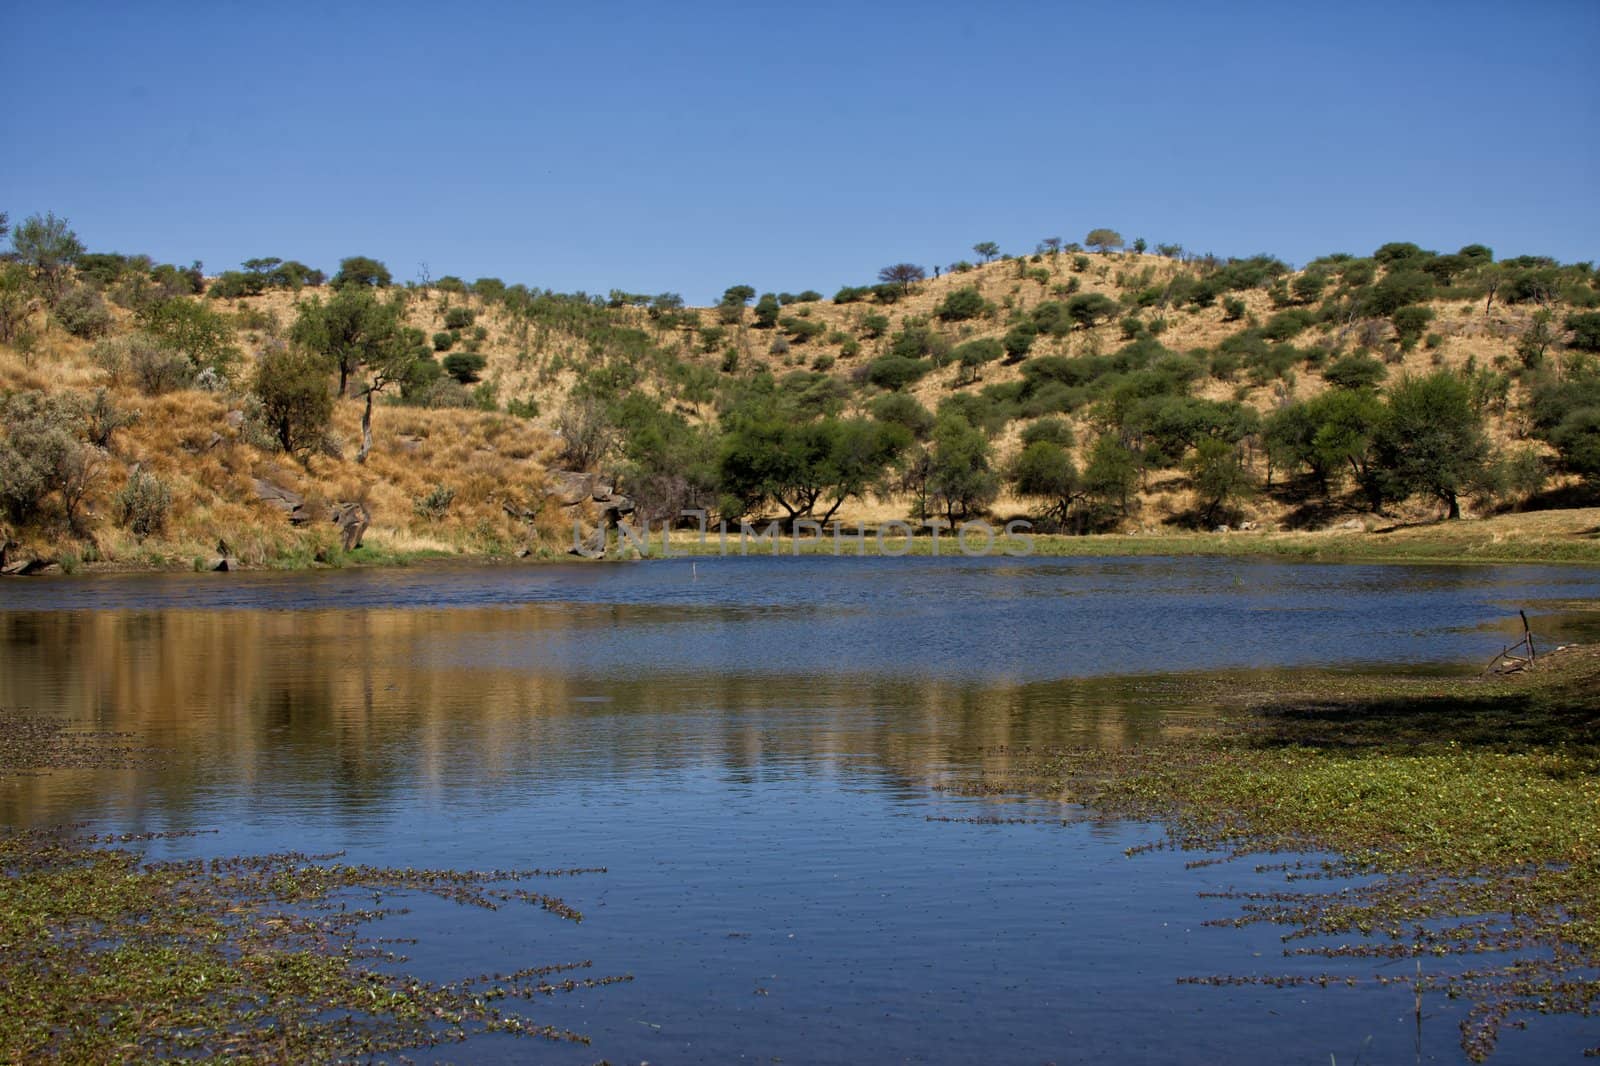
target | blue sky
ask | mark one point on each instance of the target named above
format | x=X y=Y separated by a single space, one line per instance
x=686 y=147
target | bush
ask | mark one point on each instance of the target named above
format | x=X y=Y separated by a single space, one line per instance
x=152 y=367
x=436 y=504
x=1355 y=371
x=1051 y=430
x=296 y=403
x=1585 y=331
x=1410 y=323
x=142 y=504
x=962 y=304
x=896 y=371
x=1286 y=325
x=194 y=329
x=464 y=366
x=443 y=341
x=849 y=294
x=458 y=318
x=83 y=313
x=1018 y=341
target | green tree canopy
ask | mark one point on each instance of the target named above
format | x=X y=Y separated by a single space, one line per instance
x=1432 y=438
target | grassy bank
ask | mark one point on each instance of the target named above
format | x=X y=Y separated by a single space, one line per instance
x=1475 y=803
x=1570 y=536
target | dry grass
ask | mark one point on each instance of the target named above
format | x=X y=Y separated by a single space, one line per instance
x=492 y=461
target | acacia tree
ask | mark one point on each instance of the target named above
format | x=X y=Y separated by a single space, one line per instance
x=902 y=274
x=960 y=477
x=356 y=330
x=1044 y=471
x=293 y=389
x=986 y=250
x=361 y=271
x=1431 y=438
x=1103 y=240
x=352 y=328
x=49 y=247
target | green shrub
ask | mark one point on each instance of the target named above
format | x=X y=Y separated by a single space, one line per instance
x=443 y=341
x=458 y=318
x=142 y=504
x=464 y=366
x=961 y=305
x=83 y=313
x=296 y=403
x=435 y=505
x=896 y=371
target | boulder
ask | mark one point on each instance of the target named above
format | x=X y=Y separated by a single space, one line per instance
x=352 y=520
x=570 y=487
x=291 y=503
x=28 y=567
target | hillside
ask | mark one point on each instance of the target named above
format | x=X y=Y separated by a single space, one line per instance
x=1093 y=391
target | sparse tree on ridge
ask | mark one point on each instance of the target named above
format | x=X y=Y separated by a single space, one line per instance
x=902 y=274
x=49 y=247
x=986 y=250
x=1103 y=240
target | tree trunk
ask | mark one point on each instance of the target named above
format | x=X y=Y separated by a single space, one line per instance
x=366 y=429
x=1455 y=505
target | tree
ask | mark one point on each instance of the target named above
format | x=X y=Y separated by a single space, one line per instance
x=1089 y=308
x=1103 y=240
x=352 y=328
x=1431 y=438
x=767 y=309
x=986 y=250
x=1051 y=245
x=1218 y=476
x=1112 y=472
x=962 y=304
x=192 y=328
x=49 y=248
x=1044 y=471
x=960 y=477
x=1139 y=245
x=901 y=275
x=1585 y=331
x=361 y=271
x=293 y=388
x=1018 y=341
x=770 y=455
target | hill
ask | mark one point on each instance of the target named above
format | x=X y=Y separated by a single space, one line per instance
x=152 y=411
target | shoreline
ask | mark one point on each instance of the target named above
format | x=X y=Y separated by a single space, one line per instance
x=1420 y=545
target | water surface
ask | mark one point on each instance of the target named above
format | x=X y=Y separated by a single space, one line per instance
x=748 y=747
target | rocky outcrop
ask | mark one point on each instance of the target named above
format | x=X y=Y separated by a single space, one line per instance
x=290 y=502
x=593 y=496
x=352 y=520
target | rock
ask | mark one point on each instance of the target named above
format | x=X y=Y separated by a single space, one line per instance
x=28 y=567
x=570 y=487
x=1221 y=529
x=1354 y=525
x=352 y=520
x=291 y=503
x=234 y=420
x=523 y=553
x=519 y=512
x=1247 y=527
x=221 y=565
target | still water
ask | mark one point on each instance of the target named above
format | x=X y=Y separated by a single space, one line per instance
x=748 y=746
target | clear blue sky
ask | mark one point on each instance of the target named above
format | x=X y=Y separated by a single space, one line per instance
x=689 y=146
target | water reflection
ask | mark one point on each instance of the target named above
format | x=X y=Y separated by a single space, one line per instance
x=340 y=711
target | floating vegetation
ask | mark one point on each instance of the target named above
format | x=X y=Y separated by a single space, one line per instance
x=107 y=956
x=1465 y=817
